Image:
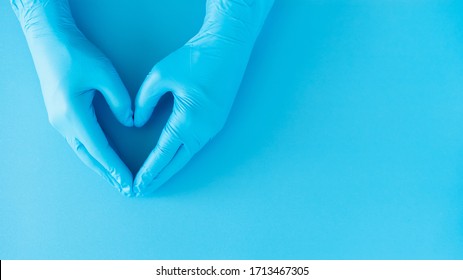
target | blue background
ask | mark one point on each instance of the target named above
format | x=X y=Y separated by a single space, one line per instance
x=345 y=141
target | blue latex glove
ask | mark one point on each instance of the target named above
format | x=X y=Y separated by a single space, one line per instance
x=71 y=70
x=204 y=77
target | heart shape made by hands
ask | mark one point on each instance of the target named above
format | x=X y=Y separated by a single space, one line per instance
x=203 y=77
x=203 y=83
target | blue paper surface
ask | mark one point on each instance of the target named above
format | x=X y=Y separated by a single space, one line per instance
x=345 y=141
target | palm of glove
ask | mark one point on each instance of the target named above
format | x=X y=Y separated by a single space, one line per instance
x=71 y=70
x=204 y=79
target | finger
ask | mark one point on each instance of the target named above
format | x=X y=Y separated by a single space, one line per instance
x=117 y=97
x=92 y=137
x=152 y=89
x=165 y=150
x=90 y=162
x=181 y=158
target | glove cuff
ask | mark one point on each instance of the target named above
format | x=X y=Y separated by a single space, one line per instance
x=236 y=21
x=44 y=18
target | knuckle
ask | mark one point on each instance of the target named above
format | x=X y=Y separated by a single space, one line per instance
x=53 y=120
x=56 y=121
x=59 y=116
x=155 y=72
x=155 y=75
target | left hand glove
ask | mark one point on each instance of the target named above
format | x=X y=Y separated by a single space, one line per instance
x=71 y=71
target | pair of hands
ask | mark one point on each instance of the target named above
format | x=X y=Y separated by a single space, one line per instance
x=203 y=76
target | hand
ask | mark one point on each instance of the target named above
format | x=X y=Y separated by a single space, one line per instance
x=203 y=76
x=75 y=73
x=71 y=70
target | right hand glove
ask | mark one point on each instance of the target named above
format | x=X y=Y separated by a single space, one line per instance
x=71 y=70
x=203 y=76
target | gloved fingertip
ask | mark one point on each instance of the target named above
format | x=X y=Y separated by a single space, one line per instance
x=129 y=119
x=138 y=120
x=126 y=189
x=113 y=181
x=137 y=185
x=128 y=193
x=138 y=124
